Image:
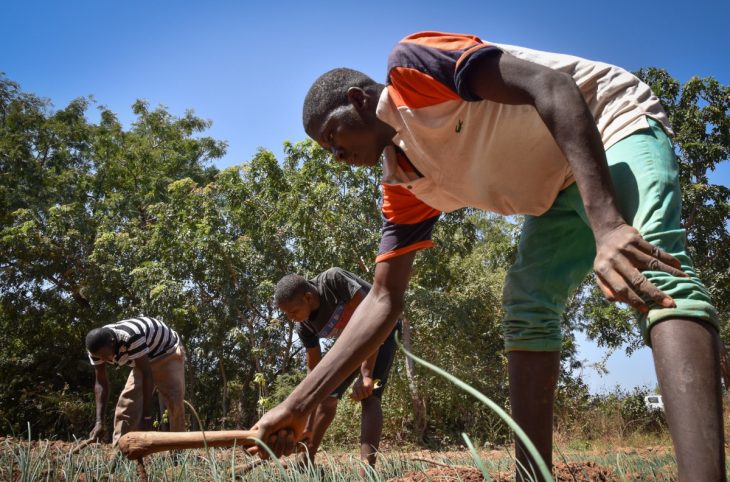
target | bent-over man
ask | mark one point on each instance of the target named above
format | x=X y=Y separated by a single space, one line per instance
x=157 y=358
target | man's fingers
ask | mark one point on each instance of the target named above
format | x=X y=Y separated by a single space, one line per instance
x=254 y=450
x=621 y=291
x=283 y=443
x=607 y=291
x=638 y=284
x=652 y=263
x=257 y=449
x=358 y=392
x=642 y=285
x=667 y=262
x=627 y=288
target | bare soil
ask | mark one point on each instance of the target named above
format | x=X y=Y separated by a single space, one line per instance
x=563 y=472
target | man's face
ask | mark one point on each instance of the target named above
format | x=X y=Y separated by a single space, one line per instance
x=105 y=354
x=298 y=309
x=351 y=136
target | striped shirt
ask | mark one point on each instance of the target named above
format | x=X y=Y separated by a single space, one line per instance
x=140 y=336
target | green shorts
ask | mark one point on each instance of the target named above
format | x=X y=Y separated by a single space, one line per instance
x=557 y=249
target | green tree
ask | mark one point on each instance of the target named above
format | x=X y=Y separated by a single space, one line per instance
x=69 y=187
x=101 y=222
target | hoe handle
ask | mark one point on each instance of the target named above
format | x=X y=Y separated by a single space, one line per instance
x=135 y=445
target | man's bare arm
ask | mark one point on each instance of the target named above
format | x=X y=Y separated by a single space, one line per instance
x=621 y=251
x=370 y=325
x=366 y=369
x=101 y=394
x=314 y=355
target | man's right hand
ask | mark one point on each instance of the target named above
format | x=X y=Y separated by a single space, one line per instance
x=97 y=433
x=282 y=429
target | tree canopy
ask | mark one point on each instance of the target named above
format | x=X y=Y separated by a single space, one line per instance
x=101 y=222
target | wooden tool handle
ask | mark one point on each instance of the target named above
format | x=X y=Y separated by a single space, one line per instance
x=83 y=444
x=135 y=445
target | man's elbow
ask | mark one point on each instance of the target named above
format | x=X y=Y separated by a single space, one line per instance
x=390 y=303
x=559 y=88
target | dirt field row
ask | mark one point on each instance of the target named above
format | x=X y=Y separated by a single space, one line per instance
x=57 y=460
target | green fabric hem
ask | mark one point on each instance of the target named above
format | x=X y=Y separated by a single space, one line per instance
x=698 y=310
x=537 y=345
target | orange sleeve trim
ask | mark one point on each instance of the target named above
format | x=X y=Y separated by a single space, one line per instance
x=406 y=249
x=443 y=40
x=415 y=89
x=400 y=206
x=469 y=52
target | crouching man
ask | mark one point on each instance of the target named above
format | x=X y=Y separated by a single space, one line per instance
x=157 y=358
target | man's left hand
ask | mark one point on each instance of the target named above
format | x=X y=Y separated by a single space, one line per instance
x=362 y=388
x=621 y=255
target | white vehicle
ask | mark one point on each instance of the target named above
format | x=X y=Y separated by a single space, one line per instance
x=654 y=402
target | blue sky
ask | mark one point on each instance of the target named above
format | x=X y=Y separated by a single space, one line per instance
x=247 y=65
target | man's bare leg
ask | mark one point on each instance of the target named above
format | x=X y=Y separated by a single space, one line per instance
x=688 y=368
x=371 y=427
x=533 y=377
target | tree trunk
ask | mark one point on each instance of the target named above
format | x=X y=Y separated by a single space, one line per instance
x=224 y=402
x=191 y=387
x=420 y=420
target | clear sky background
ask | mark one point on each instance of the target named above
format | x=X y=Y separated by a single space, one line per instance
x=247 y=65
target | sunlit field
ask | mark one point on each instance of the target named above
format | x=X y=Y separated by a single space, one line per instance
x=53 y=460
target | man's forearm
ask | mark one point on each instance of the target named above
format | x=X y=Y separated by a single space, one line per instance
x=571 y=123
x=370 y=325
x=101 y=394
x=367 y=367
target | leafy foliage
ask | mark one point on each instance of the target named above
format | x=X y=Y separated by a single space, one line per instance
x=101 y=222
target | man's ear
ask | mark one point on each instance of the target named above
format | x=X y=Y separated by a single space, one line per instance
x=358 y=98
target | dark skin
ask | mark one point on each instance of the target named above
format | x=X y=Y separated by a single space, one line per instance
x=355 y=135
x=320 y=419
x=101 y=390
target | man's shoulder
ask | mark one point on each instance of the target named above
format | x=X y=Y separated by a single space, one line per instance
x=336 y=271
x=327 y=275
x=336 y=276
x=142 y=320
x=306 y=331
x=141 y=323
x=427 y=50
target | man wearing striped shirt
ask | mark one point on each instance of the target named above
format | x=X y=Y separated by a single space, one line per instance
x=156 y=356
